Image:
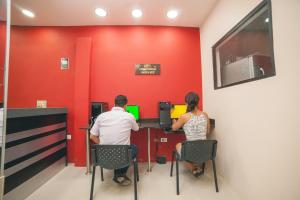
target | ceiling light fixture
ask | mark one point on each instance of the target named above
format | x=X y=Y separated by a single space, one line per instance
x=100 y=12
x=137 y=13
x=28 y=13
x=172 y=14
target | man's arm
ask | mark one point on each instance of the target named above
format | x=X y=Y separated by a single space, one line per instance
x=94 y=136
x=95 y=139
x=135 y=126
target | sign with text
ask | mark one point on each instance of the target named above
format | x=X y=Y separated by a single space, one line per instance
x=147 y=69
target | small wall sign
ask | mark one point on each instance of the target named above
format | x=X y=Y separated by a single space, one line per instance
x=64 y=63
x=147 y=69
x=41 y=103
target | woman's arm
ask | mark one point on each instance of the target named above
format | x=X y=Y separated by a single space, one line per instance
x=178 y=123
x=208 y=123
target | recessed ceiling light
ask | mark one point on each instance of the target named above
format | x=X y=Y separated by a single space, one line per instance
x=100 y=12
x=28 y=13
x=267 y=19
x=137 y=13
x=172 y=14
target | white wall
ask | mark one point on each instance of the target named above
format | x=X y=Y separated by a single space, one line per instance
x=257 y=123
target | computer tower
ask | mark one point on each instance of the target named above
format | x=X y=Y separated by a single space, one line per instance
x=96 y=109
x=164 y=109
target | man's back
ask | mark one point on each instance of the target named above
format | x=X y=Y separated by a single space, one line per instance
x=114 y=127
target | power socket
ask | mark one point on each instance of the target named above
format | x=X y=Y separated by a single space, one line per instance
x=163 y=139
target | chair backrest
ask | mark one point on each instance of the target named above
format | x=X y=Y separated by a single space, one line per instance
x=111 y=156
x=199 y=151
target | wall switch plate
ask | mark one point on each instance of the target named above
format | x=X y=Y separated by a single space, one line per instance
x=69 y=137
x=163 y=139
x=64 y=63
x=41 y=103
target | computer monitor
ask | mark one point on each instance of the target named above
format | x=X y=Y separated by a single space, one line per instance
x=96 y=109
x=134 y=110
x=178 y=110
x=164 y=114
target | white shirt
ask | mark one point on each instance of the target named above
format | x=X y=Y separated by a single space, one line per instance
x=196 y=127
x=114 y=127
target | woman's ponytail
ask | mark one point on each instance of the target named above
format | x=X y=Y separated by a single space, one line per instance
x=192 y=100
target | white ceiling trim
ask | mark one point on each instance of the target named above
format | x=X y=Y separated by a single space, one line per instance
x=192 y=13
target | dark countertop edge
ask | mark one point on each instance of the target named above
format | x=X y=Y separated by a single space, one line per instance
x=154 y=123
x=148 y=120
x=30 y=112
x=156 y=120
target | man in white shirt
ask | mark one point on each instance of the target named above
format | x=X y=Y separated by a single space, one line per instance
x=114 y=128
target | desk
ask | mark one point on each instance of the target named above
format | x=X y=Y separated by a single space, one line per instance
x=149 y=123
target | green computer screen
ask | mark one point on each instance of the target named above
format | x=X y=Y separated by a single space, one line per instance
x=135 y=110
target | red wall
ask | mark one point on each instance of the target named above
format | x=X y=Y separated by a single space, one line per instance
x=81 y=94
x=120 y=48
x=2 y=42
x=2 y=55
x=35 y=71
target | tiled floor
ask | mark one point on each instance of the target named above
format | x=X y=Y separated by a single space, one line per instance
x=73 y=184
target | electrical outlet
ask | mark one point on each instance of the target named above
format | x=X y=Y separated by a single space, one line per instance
x=41 y=103
x=69 y=137
x=163 y=139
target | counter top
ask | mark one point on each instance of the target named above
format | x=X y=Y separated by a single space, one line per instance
x=29 y=112
x=149 y=123
x=153 y=123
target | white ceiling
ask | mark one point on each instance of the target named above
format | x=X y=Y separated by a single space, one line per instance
x=192 y=13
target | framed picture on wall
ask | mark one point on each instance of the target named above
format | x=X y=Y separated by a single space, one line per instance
x=245 y=53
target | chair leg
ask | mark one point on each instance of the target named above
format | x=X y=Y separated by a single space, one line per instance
x=172 y=161
x=177 y=176
x=135 y=177
x=215 y=175
x=203 y=166
x=137 y=170
x=92 y=185
x=102 y=177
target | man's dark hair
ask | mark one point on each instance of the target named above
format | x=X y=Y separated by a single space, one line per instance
x=120 y=100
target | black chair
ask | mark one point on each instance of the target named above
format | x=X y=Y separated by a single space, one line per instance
x=113 y=157
x=197 y=152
